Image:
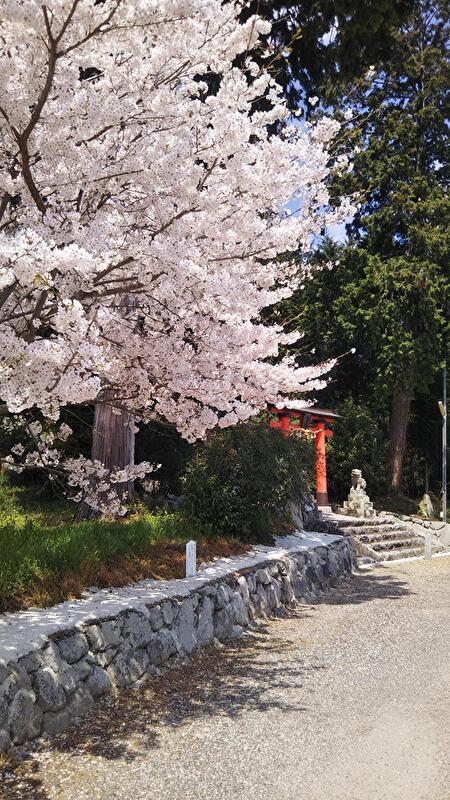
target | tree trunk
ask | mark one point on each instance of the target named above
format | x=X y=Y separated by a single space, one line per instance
x=113 y=445
x=113 y=437
x=401 y=403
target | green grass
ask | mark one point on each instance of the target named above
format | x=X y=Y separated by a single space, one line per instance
x=40 y=544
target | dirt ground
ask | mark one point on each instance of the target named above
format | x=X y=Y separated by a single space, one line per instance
x=345 y=700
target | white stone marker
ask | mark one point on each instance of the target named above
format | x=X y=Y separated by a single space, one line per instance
x=191 y=558
x=428 y=546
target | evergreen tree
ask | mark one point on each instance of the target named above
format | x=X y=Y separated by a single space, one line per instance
x=319 y=46
x=388 y=296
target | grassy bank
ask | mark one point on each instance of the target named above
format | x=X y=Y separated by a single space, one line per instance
x=46 y=557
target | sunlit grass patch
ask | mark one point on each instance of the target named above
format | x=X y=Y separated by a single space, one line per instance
x=47 y=557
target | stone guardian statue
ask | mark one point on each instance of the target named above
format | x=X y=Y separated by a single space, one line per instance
x=358 y=503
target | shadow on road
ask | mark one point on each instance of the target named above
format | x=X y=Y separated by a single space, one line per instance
x=239 y=677
x=376 y=584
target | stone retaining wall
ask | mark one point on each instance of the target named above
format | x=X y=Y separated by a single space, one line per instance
x=46 y=689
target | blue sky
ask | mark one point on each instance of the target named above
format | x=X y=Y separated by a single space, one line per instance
x=337 y=232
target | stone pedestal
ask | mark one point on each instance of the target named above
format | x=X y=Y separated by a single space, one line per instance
x=358 y=503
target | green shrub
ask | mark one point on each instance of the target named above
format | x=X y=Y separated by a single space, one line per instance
x=161 y=444
x=243 y=476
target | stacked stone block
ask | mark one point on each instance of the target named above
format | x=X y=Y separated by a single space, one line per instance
x=45 y=691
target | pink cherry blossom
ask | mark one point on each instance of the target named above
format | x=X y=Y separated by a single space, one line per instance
x=141 y=222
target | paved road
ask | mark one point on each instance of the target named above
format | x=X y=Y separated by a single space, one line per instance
x=346 y=700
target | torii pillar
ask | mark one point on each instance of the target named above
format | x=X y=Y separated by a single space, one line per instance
x=313 y=419
x=322 y=434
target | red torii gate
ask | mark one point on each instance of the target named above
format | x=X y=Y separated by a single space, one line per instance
x=313 y=419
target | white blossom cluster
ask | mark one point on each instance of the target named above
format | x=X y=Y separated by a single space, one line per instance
x=81 y=479
x=40 y=448
x=96 y=484
x=141 y=214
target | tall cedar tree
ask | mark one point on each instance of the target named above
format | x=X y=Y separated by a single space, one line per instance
x=388 y=296
x=320 y=46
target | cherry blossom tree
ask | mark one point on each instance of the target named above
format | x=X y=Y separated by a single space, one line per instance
x=142 y=215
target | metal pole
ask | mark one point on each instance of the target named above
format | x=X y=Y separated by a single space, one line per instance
x=444 y=450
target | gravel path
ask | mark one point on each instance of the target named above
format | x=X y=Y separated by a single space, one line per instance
x=345 y=700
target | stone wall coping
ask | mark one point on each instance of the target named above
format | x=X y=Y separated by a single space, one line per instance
x=23 y=632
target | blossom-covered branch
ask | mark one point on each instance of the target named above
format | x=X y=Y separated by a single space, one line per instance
x=142 y=211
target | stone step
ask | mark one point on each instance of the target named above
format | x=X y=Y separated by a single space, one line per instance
x=375 y=530
x=357 y=524
x=390 y=555
x=343 y=522
x=405 y=552
x=384 y=536
x=381 y=539
x=398 y=544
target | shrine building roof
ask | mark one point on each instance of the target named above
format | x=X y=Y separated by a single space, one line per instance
x=296 y=405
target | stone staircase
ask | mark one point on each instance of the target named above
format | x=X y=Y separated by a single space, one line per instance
x=380 y=538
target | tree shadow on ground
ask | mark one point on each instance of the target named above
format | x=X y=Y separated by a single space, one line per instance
x=20 y=780
x=216 y=681
x=375 y=584
x=228 y=680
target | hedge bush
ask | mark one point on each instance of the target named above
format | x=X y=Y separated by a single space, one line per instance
x=243 y=476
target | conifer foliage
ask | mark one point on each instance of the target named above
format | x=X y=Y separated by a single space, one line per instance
x=388 y=293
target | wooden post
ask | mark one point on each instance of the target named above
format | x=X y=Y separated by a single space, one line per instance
x=319 y=417
x=321 y=466
x=283 y=423
x=191 y=558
